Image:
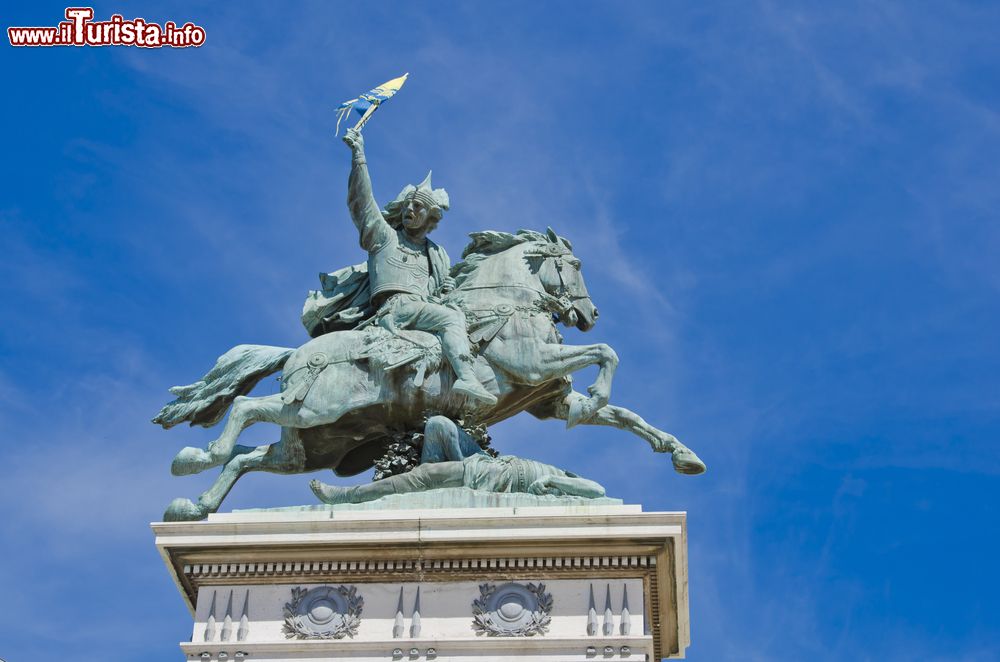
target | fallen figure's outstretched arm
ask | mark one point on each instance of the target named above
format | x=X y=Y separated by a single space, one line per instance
x=568 y=486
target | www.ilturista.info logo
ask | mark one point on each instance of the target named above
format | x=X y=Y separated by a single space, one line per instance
x=79 y=29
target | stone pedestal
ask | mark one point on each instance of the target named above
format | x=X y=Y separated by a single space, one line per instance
x=559 y=583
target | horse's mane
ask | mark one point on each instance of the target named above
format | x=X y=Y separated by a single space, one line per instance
x=491 y=242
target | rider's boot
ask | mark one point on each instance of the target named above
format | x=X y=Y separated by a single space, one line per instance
x=456 y=349
x=468 y=384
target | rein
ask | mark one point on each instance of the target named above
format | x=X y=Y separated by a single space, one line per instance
x=545 y=302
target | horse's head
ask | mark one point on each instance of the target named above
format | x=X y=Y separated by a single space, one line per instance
x=525 y=262
x=560 y=274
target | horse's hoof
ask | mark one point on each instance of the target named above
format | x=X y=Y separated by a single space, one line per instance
x=580 y=409
x=189 y=461
x=184 y=510
x=686 y=462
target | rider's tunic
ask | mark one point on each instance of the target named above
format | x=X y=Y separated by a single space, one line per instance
x=404 y=275
x=397 y=265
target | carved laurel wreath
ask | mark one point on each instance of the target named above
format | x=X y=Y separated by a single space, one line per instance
x=485 y=621
x=299 y=623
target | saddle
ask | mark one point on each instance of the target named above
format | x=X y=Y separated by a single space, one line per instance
x=388 y=350
x=383 y=349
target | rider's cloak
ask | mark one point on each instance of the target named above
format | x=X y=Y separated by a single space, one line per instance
x=345 y=298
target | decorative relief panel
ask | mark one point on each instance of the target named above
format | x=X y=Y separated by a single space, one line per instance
x=512 y=610
x=324 y=612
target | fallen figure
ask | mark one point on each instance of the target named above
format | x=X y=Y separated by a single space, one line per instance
x=451 y=458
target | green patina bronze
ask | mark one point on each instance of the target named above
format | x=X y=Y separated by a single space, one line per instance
x=407 y=340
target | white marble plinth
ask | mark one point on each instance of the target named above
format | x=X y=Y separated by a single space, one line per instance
x=561 y=583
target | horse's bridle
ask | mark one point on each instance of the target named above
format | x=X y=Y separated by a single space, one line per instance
x=551 y=252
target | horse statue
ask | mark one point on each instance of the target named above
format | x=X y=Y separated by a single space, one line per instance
x=345 y=393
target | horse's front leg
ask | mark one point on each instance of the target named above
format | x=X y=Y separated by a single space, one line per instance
x=536 y=363
x=684 y=459
x=567 y=359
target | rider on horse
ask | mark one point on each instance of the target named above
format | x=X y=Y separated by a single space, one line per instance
x=407 y=272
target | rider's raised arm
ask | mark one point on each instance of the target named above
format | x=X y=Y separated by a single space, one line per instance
x=360 y=199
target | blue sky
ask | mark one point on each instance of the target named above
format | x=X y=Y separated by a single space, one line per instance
x=787 y=216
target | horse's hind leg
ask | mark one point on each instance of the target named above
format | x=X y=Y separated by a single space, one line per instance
x=283 y=457
x=286 y=456
x=245 y=412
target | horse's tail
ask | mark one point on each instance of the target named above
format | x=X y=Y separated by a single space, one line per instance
x=235 y=373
